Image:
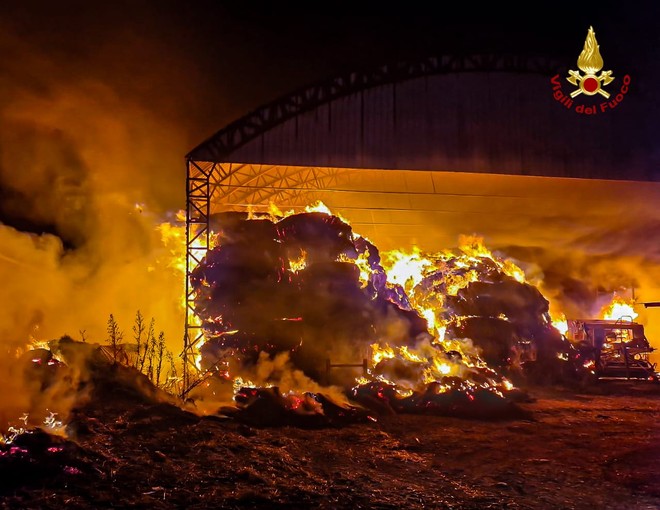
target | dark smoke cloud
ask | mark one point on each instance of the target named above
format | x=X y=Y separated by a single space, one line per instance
x=85 y=135
x=76 y=157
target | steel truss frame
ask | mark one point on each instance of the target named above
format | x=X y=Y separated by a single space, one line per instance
x=198 y=237
x=237 y=185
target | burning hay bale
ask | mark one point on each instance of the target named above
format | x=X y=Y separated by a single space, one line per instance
x=297 y=290
x=450 y=396
x=440 y=330
x=508 y=321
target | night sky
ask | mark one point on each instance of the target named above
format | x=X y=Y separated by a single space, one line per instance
x=193 y=67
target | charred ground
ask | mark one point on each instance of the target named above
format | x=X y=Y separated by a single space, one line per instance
x=596 y=448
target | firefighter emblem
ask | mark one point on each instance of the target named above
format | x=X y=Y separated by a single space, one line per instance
x=590 y=62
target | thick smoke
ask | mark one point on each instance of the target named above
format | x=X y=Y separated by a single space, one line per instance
x=94 y=127
x=86 y=174
x=600 y=255
x=579 y=240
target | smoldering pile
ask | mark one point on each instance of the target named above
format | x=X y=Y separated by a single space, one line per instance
x=81 y=400
x=36 y=458
x=308 y=286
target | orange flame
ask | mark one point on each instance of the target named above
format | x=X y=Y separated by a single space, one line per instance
x=298 y=264
x=619 y=309
x=561 y=324
x=405 y=268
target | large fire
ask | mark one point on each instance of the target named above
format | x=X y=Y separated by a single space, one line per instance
x=276 y=284
x=619 y=309
x=305 y=285
x=298 y=303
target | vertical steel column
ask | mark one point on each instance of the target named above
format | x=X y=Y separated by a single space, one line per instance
x=197 y=245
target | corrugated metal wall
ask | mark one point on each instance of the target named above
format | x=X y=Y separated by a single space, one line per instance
x=466 y=122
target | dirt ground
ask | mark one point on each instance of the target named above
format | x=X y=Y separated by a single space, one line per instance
x=599 y=449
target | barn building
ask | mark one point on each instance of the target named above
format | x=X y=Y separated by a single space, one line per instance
x=417 y=153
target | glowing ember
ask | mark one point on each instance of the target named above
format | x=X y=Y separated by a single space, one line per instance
x=298 y=264
x=50 y=423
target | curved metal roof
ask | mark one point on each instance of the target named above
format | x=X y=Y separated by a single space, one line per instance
x=480 y=113
x=219 y=147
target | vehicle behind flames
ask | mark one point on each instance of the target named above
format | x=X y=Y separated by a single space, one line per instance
x=613 y=349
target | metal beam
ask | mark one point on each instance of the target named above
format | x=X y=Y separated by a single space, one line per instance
x=198 y=199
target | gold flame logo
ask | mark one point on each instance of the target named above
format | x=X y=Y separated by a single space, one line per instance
x=590 y=62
